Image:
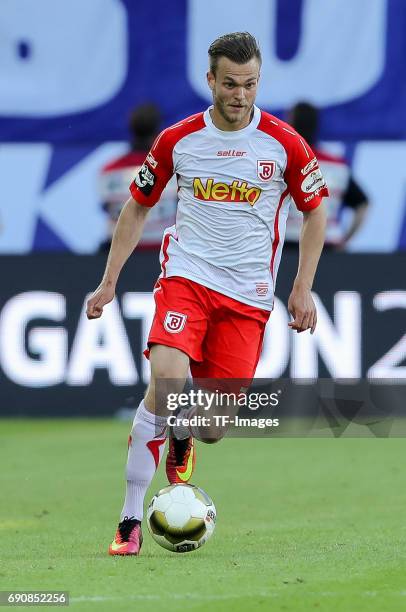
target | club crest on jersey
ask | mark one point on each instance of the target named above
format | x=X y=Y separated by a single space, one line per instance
x=174 y=322
x=237 y=191
x=265 y=169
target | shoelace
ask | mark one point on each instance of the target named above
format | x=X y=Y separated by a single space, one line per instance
x=181 y=447
x=125 y=528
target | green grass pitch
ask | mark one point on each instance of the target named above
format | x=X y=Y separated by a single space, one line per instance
x=303 y=524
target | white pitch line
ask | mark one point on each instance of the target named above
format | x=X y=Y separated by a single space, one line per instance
x=180 y=596
x=203 y=597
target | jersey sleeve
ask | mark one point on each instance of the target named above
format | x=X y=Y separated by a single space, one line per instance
x=303 y=176
x=154 y=174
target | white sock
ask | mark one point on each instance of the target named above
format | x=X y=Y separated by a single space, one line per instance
x=181 y=432
x=146 y=447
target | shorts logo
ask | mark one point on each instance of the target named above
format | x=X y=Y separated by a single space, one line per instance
x=145 y=180
x=262 y=288
x=265 y=169
x=174 y=322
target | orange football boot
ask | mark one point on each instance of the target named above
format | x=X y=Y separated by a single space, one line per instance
x=180 y=460
x=128 y=538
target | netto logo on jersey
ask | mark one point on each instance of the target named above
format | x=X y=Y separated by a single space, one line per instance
x=238 y=191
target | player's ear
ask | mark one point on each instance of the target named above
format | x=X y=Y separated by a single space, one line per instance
x=211 y=79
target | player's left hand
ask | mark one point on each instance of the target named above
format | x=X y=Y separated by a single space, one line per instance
x=303 y=309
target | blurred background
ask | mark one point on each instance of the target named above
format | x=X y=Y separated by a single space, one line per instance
x=84 y=89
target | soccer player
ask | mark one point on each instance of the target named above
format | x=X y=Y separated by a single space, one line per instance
x=238 y=170
x=345 y=191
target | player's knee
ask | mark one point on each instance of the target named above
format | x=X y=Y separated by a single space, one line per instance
x=212 y=439
x=163 y=371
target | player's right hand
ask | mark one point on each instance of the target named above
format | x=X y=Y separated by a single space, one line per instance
x=95 y=304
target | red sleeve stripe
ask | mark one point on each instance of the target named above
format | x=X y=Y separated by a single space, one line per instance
x=165 y=254
x=305 y=148
x=276 y=238
x=157 y=139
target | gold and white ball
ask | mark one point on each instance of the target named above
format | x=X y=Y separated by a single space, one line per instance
x=181 y=517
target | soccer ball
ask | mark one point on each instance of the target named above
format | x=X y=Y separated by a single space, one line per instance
x=181 y=517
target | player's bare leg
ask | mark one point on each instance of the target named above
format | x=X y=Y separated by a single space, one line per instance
x=219 y=411
x=166 y=364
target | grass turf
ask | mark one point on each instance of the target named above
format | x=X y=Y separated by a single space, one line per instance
x=303 y=524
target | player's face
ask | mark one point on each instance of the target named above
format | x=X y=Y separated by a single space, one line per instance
x=234 y=88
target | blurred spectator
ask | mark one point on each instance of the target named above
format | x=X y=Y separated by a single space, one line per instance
x=345 y=193
x=144 y=126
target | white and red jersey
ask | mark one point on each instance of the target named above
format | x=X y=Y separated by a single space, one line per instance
x=234 y=193
x=343 y=191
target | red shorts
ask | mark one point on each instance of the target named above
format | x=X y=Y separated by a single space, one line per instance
x=222 y=336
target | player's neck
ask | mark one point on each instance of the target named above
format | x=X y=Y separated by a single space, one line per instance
x=222 y=124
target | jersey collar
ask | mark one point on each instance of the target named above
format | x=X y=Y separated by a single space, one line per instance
x=237 y=133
